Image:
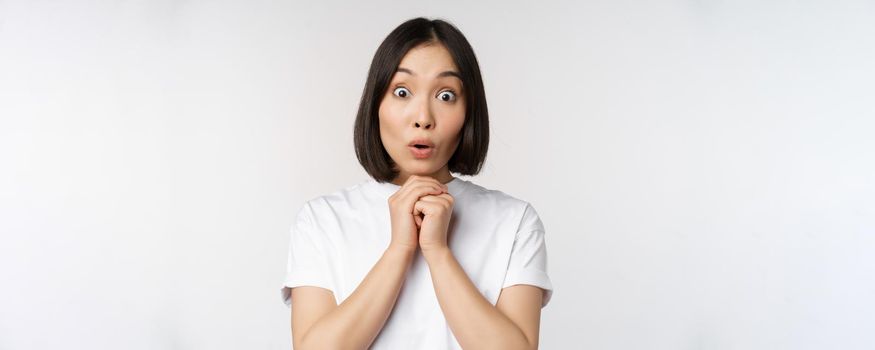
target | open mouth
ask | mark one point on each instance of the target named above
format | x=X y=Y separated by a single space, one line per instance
x=421 y=151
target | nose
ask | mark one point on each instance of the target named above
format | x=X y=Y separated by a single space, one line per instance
x=423 y=117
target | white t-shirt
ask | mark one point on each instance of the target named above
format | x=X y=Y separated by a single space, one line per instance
x=338 y=238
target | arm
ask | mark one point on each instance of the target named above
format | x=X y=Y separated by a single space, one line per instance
x=512 y=324
x=356 y=322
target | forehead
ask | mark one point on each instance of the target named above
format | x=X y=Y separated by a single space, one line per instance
x=428 y=59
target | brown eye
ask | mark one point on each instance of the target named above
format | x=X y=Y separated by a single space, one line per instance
x=447 y=96
x=401 y=92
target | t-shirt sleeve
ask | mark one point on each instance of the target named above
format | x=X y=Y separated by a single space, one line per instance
x=308 y=263
x=528 y=258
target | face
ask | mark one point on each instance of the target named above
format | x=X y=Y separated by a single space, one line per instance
x=424 y=104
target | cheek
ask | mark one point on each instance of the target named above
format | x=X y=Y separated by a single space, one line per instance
x=457 y=118
x=453 y=119
x=387 y=116
x=391 y=120
x=390 y=112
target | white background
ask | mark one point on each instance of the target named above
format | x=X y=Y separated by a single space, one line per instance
x=704 y=169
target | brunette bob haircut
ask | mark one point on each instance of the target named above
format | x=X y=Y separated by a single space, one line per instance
x=474 y=135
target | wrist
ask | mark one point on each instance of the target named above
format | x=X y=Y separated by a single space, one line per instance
x=431 y=253
x=401 y=248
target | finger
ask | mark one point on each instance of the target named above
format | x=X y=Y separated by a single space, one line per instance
x=410 y=179
x=447 y=196
x=417 y=211
x=431 y=206
x=421 y=206
x=418 y=220
x=421 y=190
x=435 y=181
x=415 y=189
x=432 y=199
x=411 y=194
x=443 y=198
x=426 y=179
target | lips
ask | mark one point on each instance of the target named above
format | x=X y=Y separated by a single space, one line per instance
x=421 y=148
x=421 y=153
x=421 y=143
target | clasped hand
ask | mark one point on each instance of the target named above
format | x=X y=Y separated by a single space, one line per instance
x=421 y=210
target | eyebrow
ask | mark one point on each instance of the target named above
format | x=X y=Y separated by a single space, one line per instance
x=448 y=73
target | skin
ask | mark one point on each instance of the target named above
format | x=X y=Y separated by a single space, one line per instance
x=421 y=102
x=417 y=104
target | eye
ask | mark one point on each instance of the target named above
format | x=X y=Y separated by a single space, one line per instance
x=401 y=92
x=447 y=96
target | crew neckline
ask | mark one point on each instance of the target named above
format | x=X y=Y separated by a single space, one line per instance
x=455 y=187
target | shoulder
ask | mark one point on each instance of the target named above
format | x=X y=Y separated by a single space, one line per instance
x=502 y=201
x=476 y=191
x=480 y=192
x=344 y=200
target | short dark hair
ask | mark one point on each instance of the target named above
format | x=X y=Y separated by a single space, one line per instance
x=474 y=135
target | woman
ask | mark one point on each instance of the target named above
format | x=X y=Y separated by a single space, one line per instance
x=415 y=258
